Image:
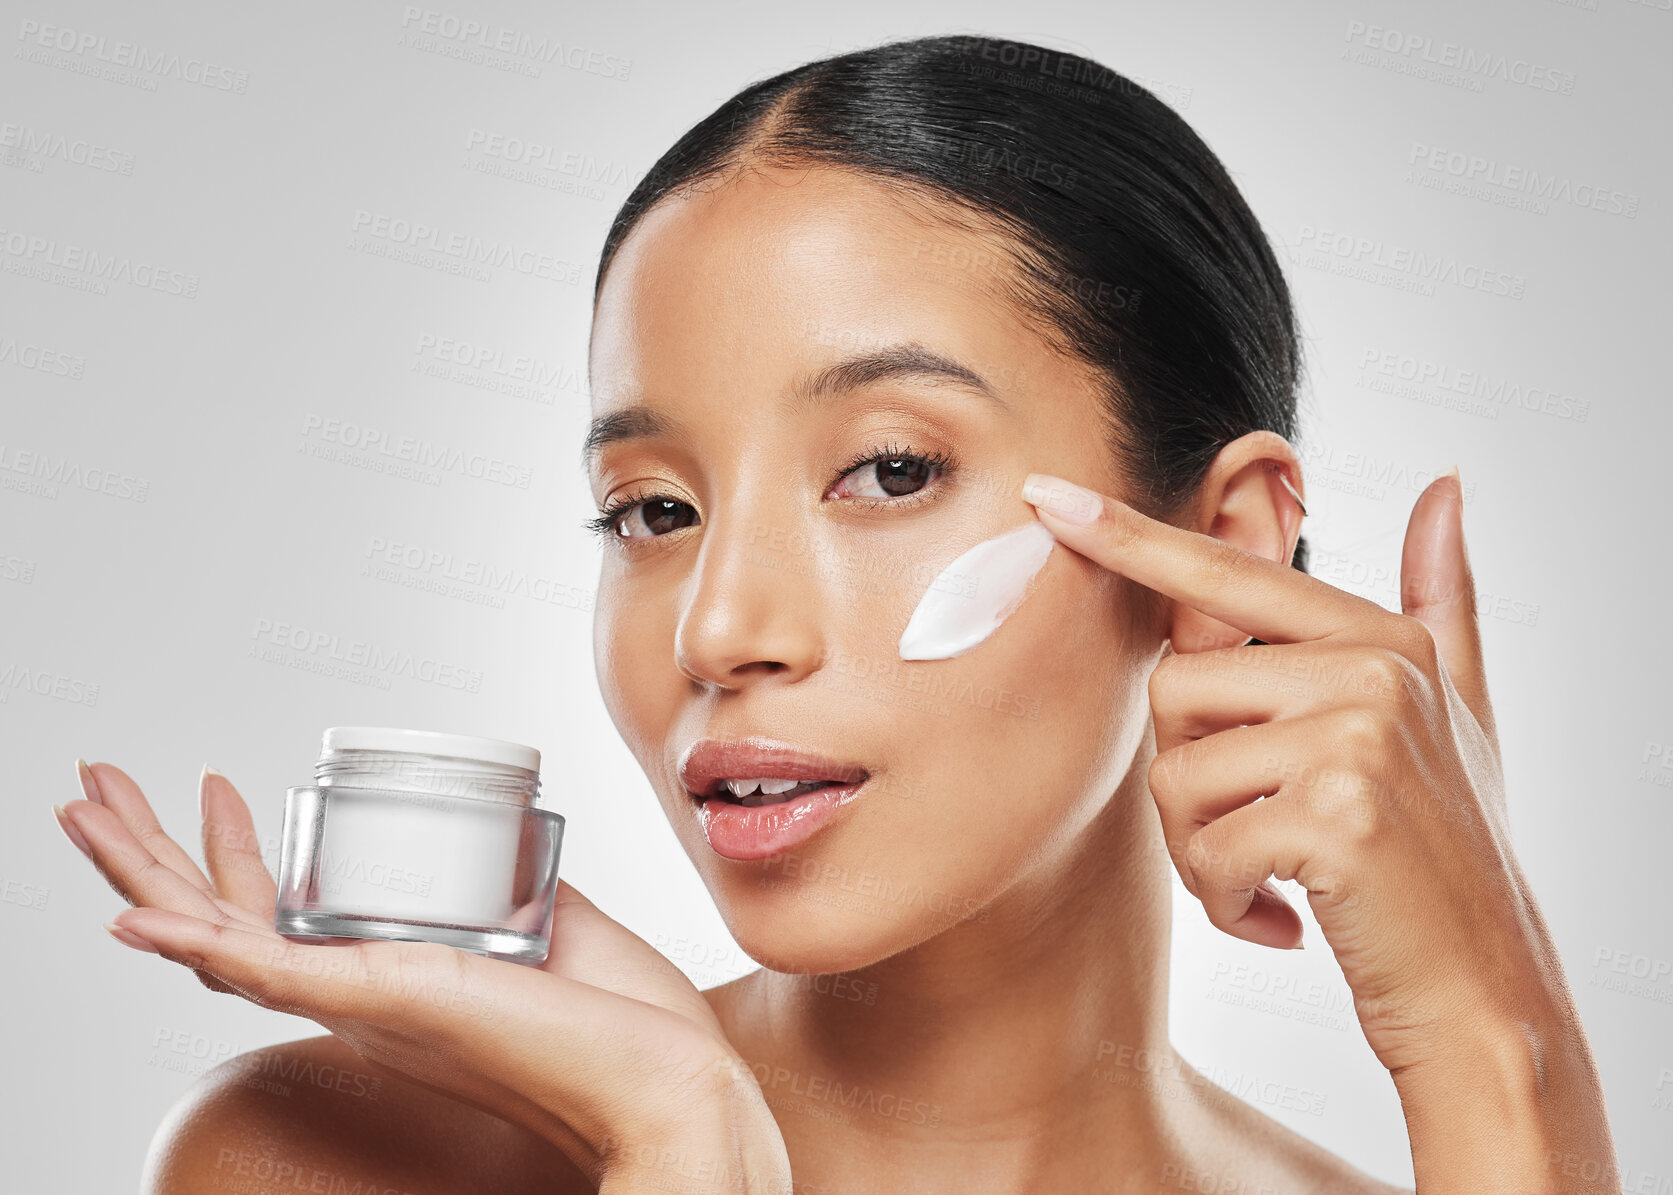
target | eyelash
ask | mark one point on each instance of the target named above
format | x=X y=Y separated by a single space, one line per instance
x=606 y=521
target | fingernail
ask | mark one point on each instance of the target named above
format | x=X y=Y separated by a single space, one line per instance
x=89 y=786
x=71 y=831
x=1445 y=527
x=1460 y=480
x=203 y=791
x=128 y=938
x=1068 y=501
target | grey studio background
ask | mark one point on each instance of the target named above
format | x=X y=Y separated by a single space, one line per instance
x=219 y=319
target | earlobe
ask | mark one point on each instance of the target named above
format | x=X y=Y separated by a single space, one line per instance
x=1245 y=502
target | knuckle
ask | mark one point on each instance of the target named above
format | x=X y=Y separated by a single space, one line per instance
x=205 y=958
x=149 y=833
x=1202 y=856
x=433 y=960
x=1382 y=673
x=1223 y=564
x=1415 y=640
x=1161 y=681
x=1121 y=530
x=152 y=868
x=1163 y=774
x=194 y=959
x=454 y=967
x=436 y=975
x=1357 y=826
x=1222 y=915
x=1361 y=734
x=380 y=966
x=1169 y=688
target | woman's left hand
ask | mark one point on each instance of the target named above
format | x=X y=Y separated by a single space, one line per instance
x=1354 y=751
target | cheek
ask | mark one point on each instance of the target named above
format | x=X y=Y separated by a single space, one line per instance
x=1059 y=673
x=631 y=661
x=1021 y=740
x=1051 y=664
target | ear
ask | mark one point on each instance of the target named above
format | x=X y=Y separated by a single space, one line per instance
x=1243 y=502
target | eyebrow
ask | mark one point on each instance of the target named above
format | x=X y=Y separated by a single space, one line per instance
x=638 y=422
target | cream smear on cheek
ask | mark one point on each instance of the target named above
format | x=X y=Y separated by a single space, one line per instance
x=975 y=593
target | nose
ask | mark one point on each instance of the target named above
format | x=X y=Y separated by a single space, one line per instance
x=755 y=607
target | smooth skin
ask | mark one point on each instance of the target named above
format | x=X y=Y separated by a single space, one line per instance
x=1001 y=899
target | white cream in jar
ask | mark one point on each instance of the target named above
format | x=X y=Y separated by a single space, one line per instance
x=421 y=836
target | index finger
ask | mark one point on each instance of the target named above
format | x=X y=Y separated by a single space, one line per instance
x=1271 y=601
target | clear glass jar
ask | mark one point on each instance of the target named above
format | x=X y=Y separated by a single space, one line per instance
x=421 y=837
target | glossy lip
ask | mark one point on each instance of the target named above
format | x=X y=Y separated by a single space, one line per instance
x=709 y=761
x=743 y=833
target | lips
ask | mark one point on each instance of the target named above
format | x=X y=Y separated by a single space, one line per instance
x=741 y=831
x=709 y=761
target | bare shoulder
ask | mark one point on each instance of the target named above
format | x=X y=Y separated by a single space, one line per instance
x=1246 y=1146
x=310 y=1115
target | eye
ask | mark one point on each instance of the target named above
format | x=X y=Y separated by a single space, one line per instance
x=890 y=476
x=641 y=516
x=883 y=477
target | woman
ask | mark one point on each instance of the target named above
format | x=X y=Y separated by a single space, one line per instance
x=867 y=314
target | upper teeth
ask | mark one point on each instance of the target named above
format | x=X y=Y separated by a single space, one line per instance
x=767 y=784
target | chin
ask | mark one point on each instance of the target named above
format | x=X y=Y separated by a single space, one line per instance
x=797 y=916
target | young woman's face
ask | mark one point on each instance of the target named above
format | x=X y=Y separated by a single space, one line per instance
x=763 y=590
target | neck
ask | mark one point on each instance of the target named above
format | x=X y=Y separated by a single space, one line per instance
x=1048 y=1009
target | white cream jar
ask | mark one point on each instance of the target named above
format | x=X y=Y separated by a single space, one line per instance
x=418 y=836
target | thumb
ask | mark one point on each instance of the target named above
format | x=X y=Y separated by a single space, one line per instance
x=1437 y=588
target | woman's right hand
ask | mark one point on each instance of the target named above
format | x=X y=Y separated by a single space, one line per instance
x=606 y=1049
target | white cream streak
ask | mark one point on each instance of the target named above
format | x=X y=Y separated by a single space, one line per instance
x=975 y=593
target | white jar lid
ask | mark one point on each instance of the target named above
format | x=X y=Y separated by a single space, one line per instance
x=430 y=742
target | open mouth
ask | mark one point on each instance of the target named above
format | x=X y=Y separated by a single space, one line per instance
x=755 y=772
x=756 y=797
x=766 y=791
